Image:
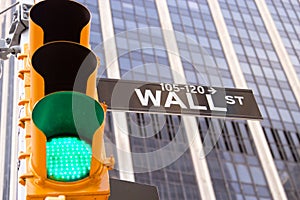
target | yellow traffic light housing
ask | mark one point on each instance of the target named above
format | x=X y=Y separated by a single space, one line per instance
x=67 y=156
x=56 y=20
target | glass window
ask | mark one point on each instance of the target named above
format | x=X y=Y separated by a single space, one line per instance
x=288 y=95
x=296 y=115
x=280 y=75
x=175 y=18
x=243 y=33
x=257 y=20
x=203 y=41
x=258 y=176
x=230 y=172
x=239 y=49
x=285 y=115
x=264 y=37
x=272 y=56
x=268 y=72
x=249 y=51
x=236 y=15
x=250 y=198
x=248 y=189
x=273 y=114
x=264 y=90
x=215 y=44
x=276 y=93
x=261 y=53
x=253 y=35
x=243 y=173
x=226 y=14
x=209 y=25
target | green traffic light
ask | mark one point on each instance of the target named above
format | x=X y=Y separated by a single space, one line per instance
x=65 y=118
x=68 y=159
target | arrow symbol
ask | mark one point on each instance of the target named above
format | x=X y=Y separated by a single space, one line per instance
x=212 y=90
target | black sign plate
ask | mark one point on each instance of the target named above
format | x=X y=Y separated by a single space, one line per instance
x=169 y=98
x=124 y=190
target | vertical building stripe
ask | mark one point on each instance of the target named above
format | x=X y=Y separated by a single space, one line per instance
x=13 y=188
x=255 y=127
x=125 y=165
x=4 y=107
x=190 y=124
x=3 y=127
x=280 y=48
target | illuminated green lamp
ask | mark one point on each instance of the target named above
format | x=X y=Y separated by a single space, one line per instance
x=68 y=158
x=69 y=121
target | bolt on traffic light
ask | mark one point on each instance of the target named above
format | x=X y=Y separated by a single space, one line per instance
x=67 y=155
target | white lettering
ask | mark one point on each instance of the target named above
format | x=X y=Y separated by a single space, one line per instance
x=192 y=103
x=148 y=94
x=240 y=99
x=177 y=100
x=230 y=100
x=212 y=105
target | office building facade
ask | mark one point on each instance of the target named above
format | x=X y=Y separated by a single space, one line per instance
x=234 y=44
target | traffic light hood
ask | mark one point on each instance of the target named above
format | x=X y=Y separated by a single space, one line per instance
x=68 y=114
x=64 y=66
x=60 y=19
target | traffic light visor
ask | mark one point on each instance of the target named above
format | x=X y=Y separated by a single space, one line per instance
x=68 y=114
x=64 y=66
x=60 y=20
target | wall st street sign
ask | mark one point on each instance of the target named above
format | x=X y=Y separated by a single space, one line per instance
x=169 y=98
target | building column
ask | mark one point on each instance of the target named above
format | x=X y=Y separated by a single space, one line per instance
x=255 y=127
x=4 y=102
x=15 y=188
x=279 y=48
x=193 y=135
x=125 y=165
x=3 y=125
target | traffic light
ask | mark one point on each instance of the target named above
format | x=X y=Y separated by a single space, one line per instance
x=67 y=156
